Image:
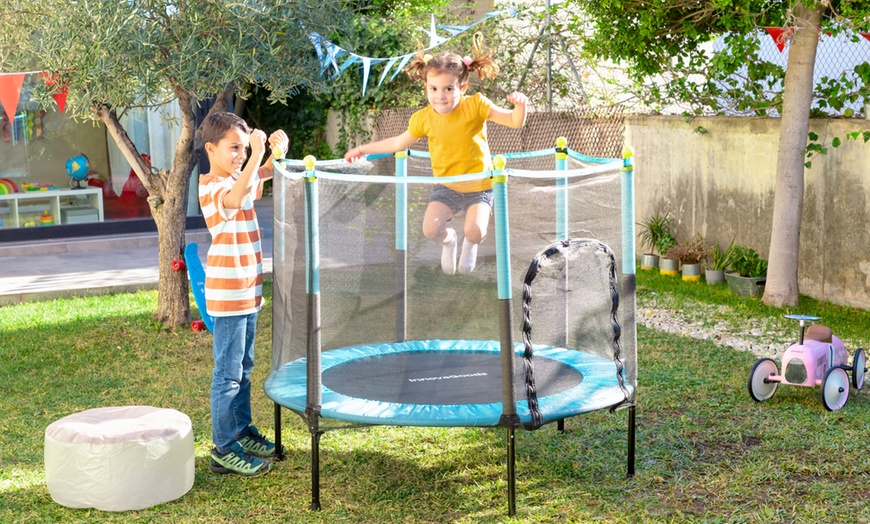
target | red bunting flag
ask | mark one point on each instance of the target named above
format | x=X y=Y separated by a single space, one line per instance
x=865 y=35
x=10 y=92
x=59 y=96
x=780 y=35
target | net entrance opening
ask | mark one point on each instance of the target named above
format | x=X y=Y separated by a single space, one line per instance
x=440 y=377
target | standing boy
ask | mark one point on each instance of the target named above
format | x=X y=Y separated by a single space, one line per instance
x=234 y=284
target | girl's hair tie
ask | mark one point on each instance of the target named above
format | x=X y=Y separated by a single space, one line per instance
x=466 y=60
x=426 y=58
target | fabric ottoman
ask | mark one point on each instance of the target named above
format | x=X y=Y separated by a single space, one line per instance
x=119 y=458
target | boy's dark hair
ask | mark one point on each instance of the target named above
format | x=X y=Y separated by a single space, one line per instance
x=216 y=125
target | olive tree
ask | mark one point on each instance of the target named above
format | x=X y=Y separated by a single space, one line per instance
x=114 y=55
x=668 y=39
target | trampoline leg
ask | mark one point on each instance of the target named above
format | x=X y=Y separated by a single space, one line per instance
x=315 y=470
x=560 y=425
x=279 y=449
x=512 y=478
x=631 y=437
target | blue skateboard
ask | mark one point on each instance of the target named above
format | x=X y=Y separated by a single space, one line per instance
x=196 y=274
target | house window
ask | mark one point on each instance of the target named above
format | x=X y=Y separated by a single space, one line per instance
x=55 y=170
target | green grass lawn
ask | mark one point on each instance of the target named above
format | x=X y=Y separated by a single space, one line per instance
x=705 y=451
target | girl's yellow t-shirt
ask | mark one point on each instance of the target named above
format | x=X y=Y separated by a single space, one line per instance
x=457 y=140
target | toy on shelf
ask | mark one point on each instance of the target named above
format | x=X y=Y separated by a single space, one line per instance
x=818 y=359
x=77 y=168
x=38 y=186
x=7 y=186
x=46 y=219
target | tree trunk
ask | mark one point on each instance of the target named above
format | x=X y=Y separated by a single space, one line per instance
x=782 y=283
x=167 y=198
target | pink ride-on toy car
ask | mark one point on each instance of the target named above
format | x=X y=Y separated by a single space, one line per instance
x=819 y=359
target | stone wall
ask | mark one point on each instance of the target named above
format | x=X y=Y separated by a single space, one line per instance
x=716 y=177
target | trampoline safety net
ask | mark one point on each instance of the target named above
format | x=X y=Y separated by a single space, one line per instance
x=368 y=329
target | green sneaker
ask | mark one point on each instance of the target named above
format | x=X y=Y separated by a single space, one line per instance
x=258 y=445
x=238 y=462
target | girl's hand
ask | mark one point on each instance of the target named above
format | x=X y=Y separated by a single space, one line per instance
x=518 y=99
x=354 y=154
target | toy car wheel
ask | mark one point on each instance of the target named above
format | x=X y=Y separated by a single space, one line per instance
x=859 y=367
x=835 y=388
x=759 y=387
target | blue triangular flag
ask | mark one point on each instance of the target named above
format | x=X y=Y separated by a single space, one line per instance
x=367 y=62
x=386 y=70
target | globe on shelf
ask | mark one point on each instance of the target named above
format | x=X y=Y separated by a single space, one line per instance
x=77 y=168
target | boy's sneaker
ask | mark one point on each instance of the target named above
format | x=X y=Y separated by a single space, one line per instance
x=238 y=462
x=258 y=445
x=448 y=253
x=468 y=258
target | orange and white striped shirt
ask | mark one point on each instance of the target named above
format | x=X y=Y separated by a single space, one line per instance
x=234 y=267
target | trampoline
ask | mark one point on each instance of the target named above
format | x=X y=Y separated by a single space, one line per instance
x=444 y=383
x=367 y=331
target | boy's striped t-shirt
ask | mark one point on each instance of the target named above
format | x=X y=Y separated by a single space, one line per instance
x=234 y=268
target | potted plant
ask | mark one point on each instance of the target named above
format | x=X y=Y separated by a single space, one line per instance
x=652 y=231
x=669 y=263
x=690 y=255
x=720 y=259
x=748 y=272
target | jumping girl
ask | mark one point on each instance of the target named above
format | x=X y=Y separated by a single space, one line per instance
x=456 y=127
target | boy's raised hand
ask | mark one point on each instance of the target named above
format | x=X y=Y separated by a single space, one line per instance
x=258 y=143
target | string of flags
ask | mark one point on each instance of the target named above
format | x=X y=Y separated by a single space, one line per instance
x=12 y=83
x=781 y=35
x=330 y=54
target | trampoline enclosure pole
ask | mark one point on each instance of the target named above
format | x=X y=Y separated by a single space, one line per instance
x=629 y=288
x=401 y=248
x=312 y=268
x=561 y=189
x=503 y=264
x=509 y=417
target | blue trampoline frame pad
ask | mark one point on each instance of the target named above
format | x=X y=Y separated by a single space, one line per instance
x=598 y=389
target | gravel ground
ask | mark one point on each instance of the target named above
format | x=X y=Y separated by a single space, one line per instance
x=718 y=324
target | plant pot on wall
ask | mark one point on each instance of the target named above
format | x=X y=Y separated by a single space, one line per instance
x=745 y=286
x=649 y=261
x=669 y=266
x=714 y=276
x=691 y=272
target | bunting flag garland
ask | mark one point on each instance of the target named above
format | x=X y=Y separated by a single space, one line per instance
x=780 y=35
x=328 y=53
x=59 y=96
x=10 y=92
x=865 y=35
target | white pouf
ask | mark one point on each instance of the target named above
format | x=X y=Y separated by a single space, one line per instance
x=119 y=458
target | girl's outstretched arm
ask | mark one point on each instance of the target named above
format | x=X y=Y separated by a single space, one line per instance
x=510 y=118
x=387 y=145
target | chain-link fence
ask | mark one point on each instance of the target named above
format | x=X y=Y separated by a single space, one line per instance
x=836 y=55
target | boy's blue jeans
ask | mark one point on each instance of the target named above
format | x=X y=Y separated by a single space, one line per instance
x=231 y=383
